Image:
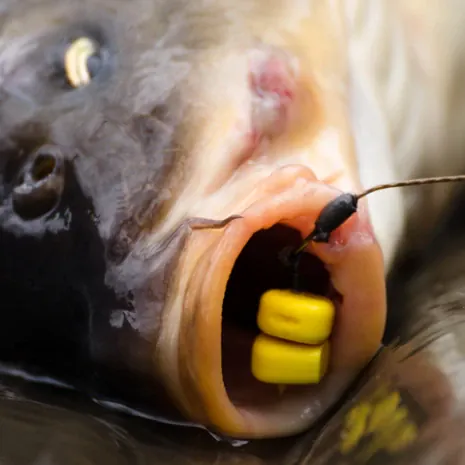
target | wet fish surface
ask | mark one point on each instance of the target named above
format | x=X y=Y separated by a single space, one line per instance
x=40 y=425
x=126 y=128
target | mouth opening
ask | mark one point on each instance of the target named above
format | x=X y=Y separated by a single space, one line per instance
x=257 y=269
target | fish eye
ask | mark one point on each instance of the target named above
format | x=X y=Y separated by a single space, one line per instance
x=82 y=62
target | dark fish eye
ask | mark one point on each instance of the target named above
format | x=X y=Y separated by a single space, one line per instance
x=82 y=62
x=40 y=184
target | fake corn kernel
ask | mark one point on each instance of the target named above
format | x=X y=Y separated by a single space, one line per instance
x=294 y=316
x=277 y=361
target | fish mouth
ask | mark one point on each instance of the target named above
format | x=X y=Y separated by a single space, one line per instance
x=213 y=382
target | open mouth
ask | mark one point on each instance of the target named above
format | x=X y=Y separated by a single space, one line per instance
x=257 y=269
x=228 y=272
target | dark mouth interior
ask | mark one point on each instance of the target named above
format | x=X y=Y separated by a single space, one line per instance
x=258 y=269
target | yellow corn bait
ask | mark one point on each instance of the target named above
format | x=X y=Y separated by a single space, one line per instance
x=296 y=316
x=281 y=362
x=293 y=347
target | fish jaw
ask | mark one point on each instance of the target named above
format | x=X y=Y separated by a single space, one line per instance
x=190 y=354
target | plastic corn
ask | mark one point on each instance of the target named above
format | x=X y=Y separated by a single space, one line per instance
x=296 y=316
x=281 y=362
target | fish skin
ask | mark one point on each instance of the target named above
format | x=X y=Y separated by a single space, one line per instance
x=40 y=424
x=406 y=97
x=135 y=144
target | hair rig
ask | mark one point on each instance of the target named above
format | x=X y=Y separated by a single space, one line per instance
x=333 y=215
x=340 y=209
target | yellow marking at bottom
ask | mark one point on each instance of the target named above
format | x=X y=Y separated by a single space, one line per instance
x=383 y=421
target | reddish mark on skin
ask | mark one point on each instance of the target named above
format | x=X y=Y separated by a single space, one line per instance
x=273 y=86
x=273 y=77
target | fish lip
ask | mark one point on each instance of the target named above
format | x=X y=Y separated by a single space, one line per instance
x=297 y=198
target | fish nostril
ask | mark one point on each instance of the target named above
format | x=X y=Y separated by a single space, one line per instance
x=43 y=166
x=40 y=184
